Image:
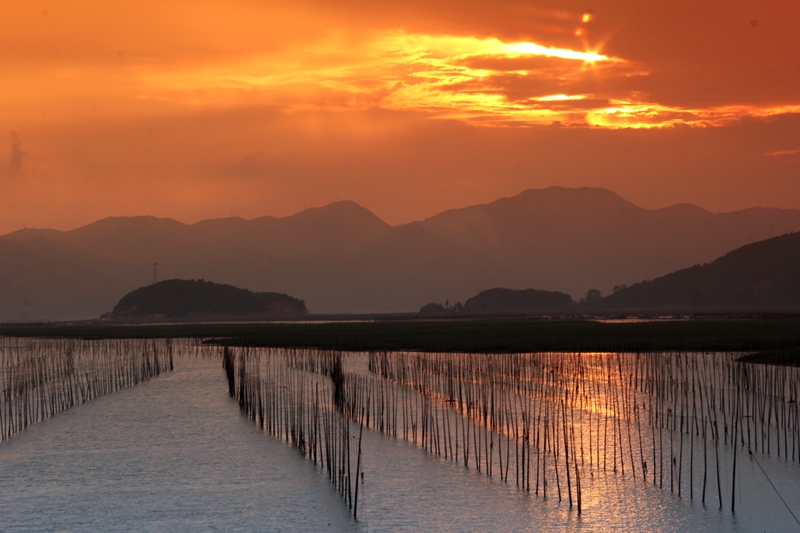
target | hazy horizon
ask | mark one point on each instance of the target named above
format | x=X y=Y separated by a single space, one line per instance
x=192 y=222
x=342 y=258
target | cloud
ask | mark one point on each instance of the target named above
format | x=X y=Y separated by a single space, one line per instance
x=479 y=80
x=478 y=61
x=782 y=152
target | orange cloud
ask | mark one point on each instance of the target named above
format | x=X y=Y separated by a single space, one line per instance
x=74 y=60
x=155 y=107
x=782 y=152
x=481 y=80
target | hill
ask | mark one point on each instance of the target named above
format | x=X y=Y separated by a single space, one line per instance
x=507 y=300
x=764 y=274
x=200 y=299
x=342 y=258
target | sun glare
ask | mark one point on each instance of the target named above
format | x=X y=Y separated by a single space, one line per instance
x=539 y=50
x=559 y=98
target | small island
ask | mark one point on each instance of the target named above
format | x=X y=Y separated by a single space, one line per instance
x=178 y=299
x=499 y=300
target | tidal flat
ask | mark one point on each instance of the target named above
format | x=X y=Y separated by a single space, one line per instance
x=178 y=453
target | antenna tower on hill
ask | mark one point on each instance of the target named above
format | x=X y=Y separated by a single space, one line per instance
x=155 y=273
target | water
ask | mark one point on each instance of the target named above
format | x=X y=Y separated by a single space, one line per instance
x=174 y=454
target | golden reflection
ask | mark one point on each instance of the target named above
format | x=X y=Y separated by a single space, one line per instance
x=595 y=406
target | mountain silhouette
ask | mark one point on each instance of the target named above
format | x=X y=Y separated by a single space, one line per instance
x=200 y=299
x=500 y=300
x=343 y=258
x=764 y=274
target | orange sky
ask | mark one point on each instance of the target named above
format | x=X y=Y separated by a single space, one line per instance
x=203 y=109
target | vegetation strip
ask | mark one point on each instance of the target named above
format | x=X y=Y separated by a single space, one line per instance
x=479 y=336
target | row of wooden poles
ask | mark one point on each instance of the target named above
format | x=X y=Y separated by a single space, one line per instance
x=40 y=378
x=542 y=421
x=302 y=407
x=580 y=413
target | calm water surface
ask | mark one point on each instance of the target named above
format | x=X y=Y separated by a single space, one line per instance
x=174 y=454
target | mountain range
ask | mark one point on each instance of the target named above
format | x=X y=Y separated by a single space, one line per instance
x=764 y=274
x=341 y=258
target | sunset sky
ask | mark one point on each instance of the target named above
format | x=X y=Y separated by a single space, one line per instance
x=200 y=109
